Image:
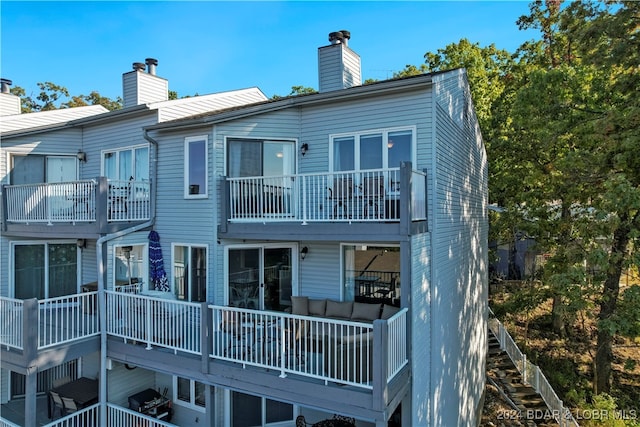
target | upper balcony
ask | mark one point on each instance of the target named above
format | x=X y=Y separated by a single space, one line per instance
x=82 y=209
x=327 y=204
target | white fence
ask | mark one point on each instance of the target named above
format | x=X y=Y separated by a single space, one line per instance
x=531 y=374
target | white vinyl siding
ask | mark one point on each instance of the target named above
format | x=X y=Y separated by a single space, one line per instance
x=459 y=255
x=421 y=325
x=180 y=108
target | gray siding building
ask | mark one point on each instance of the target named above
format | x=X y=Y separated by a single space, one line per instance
x=229 y=260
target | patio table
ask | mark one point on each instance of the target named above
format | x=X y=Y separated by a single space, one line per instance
x=83 y=391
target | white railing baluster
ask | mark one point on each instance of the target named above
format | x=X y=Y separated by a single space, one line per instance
x=542 y=386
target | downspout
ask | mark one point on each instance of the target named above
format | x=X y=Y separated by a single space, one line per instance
x=102 y=301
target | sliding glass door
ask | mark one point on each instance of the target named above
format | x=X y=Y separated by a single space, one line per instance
x=45 y=270
x=260 y=277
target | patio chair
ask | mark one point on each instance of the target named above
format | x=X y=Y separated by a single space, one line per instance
x=341 y=194
x=69 y=405
x=57 y=403
x=236 y=344
x=373 y=195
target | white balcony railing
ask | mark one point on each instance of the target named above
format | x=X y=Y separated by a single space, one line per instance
x=155 y=321
x=331 y=350
x=59 y=320
x=77 y=202
x=11 y=321
x=68 y=318
x=129 y=200
x=363 y=196
x=54 y=202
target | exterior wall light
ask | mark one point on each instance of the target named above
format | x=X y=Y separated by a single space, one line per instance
x=304 y=252
x=304 y=148
x=82 y=156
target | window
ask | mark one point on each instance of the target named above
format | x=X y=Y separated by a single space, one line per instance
x=371 y=150
x=130 y=267
x=34 y=169
x=254 y=157
x=126 y=163
x=45 y=270
x=371 y=273
x=190 y=272
x=248 y=410
x=195 y=167
x=189 y=393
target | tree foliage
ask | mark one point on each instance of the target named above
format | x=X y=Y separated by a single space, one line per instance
x=560 y=118
x=54 y=97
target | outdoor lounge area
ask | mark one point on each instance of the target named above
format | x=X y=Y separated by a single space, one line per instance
x=311 y=341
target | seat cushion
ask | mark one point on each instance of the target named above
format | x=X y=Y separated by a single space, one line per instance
x=365 y=312
x=317 y=307
x=300 y=305
x=339 y=309
x=389 y=311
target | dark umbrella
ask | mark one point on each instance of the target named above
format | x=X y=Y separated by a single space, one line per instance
x=158 y=275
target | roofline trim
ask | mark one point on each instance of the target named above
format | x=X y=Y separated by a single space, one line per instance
x=317 y=98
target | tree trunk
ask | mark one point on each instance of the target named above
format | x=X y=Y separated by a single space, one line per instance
x=608 y=304
x=557 y=316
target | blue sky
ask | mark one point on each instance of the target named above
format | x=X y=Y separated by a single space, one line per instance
x=207 y=46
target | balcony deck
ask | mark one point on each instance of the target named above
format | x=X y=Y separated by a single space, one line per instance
x=394 y=198
x=227 y=346
x=83 y=208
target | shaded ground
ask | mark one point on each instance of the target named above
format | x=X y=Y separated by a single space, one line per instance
x=567 y=361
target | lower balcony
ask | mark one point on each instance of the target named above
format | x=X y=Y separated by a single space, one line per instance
x=294 y=358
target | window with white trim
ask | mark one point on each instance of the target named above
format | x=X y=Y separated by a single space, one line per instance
x=126 y=164
x=189 y=393
x=378 y=149
x=190 y=272
x=195 y=167
x=45 y=270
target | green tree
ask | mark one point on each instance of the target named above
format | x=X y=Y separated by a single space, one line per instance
x=297 y=90
x=53 y=96
x=573 y=136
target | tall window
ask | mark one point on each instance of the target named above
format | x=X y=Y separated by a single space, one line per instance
x=190 y=272
x=195 y=166
x=372 y=150
x=126 y=163
x=45 y=270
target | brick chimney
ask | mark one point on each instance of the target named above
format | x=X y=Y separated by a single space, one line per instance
x=338 y=65
x=10 y=104
x=142 y=86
